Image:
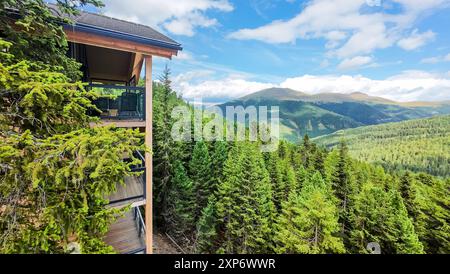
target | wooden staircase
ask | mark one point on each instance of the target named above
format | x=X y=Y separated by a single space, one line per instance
x=127 y=234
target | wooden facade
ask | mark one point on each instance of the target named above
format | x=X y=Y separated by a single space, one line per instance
x=116 y=59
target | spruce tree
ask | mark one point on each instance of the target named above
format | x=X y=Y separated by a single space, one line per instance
x=340 y=176
x=207 y=229
x=218 y=157
x=305 y=152
x=245 y=210
x=408 y=191
x=381 y=217
x=309 y=221
x=201 y=175
x=166 y=151
x=181 y=207
x=433 y=213
x=273 y=164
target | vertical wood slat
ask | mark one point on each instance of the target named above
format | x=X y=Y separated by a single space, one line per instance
x=148 y=155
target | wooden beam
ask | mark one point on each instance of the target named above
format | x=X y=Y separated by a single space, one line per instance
x=148 y=155
x=137 y=66
x=116 y=44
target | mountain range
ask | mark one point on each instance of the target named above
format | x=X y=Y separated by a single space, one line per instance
x=325 y=113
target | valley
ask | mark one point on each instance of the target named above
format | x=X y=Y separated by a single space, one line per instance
x=326 y=113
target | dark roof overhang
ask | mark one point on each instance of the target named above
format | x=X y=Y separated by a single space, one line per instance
x=120 y=35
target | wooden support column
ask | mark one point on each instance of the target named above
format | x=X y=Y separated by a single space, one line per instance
x=148 y=155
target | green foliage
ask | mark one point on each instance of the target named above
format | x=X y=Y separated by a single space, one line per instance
x=244 y=208
x=166 y=151
x=179 y=215
x=309 y=221
x=37 y=99
x=340 y=178
x=218 y=157
x=207 y=229
x=305 y=199
x=200 y=171
x=417 y=145
x=53 y=190
x=37 y=35
x=381 y=217
x=55 y=171
x=430 y=210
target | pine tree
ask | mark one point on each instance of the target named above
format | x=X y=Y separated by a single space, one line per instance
x=283 y=150
x=301 y=174
x=276 y=178
x=341 y=180
x=289 y=178
x=381 y=217
x=404 y=238
x=433 y=213
x=207 y=229
x=245 y=210
x=165 y=150
x=305 y=152
x=200 y=173
x=408 y=192
x=181 y=207
x=218 y=157
x=309 y=221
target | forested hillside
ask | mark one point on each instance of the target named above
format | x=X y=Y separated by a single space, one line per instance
x=229 y=197
x=325 y=113
x=421 y=145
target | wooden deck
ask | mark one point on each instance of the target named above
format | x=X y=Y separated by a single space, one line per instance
x=124 y=237
x=133 y=123
x=130 y=193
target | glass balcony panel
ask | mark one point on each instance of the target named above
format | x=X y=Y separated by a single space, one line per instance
x=120 y=102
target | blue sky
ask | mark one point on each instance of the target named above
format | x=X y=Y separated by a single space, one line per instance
x=399 y=49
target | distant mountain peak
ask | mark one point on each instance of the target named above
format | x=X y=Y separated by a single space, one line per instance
x=286 y=94
x=282 y=94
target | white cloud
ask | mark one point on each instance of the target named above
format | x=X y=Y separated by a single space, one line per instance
x=407 y=86
x=181 y=18
x=233 y=86
x=184 y=56
x=447 y=58
x=348 y=27
x=431 y=60
x=355 y=62
x=416 y=40
x=436 y=59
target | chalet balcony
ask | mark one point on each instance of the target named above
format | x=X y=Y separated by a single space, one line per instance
x=120 y=104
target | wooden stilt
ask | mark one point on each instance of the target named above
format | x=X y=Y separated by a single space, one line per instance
x=148 y=155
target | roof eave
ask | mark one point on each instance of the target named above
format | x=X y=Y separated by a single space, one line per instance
x=123 y=36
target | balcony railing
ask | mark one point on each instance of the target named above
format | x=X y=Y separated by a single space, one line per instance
x=140 y=225
x=120 y=102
